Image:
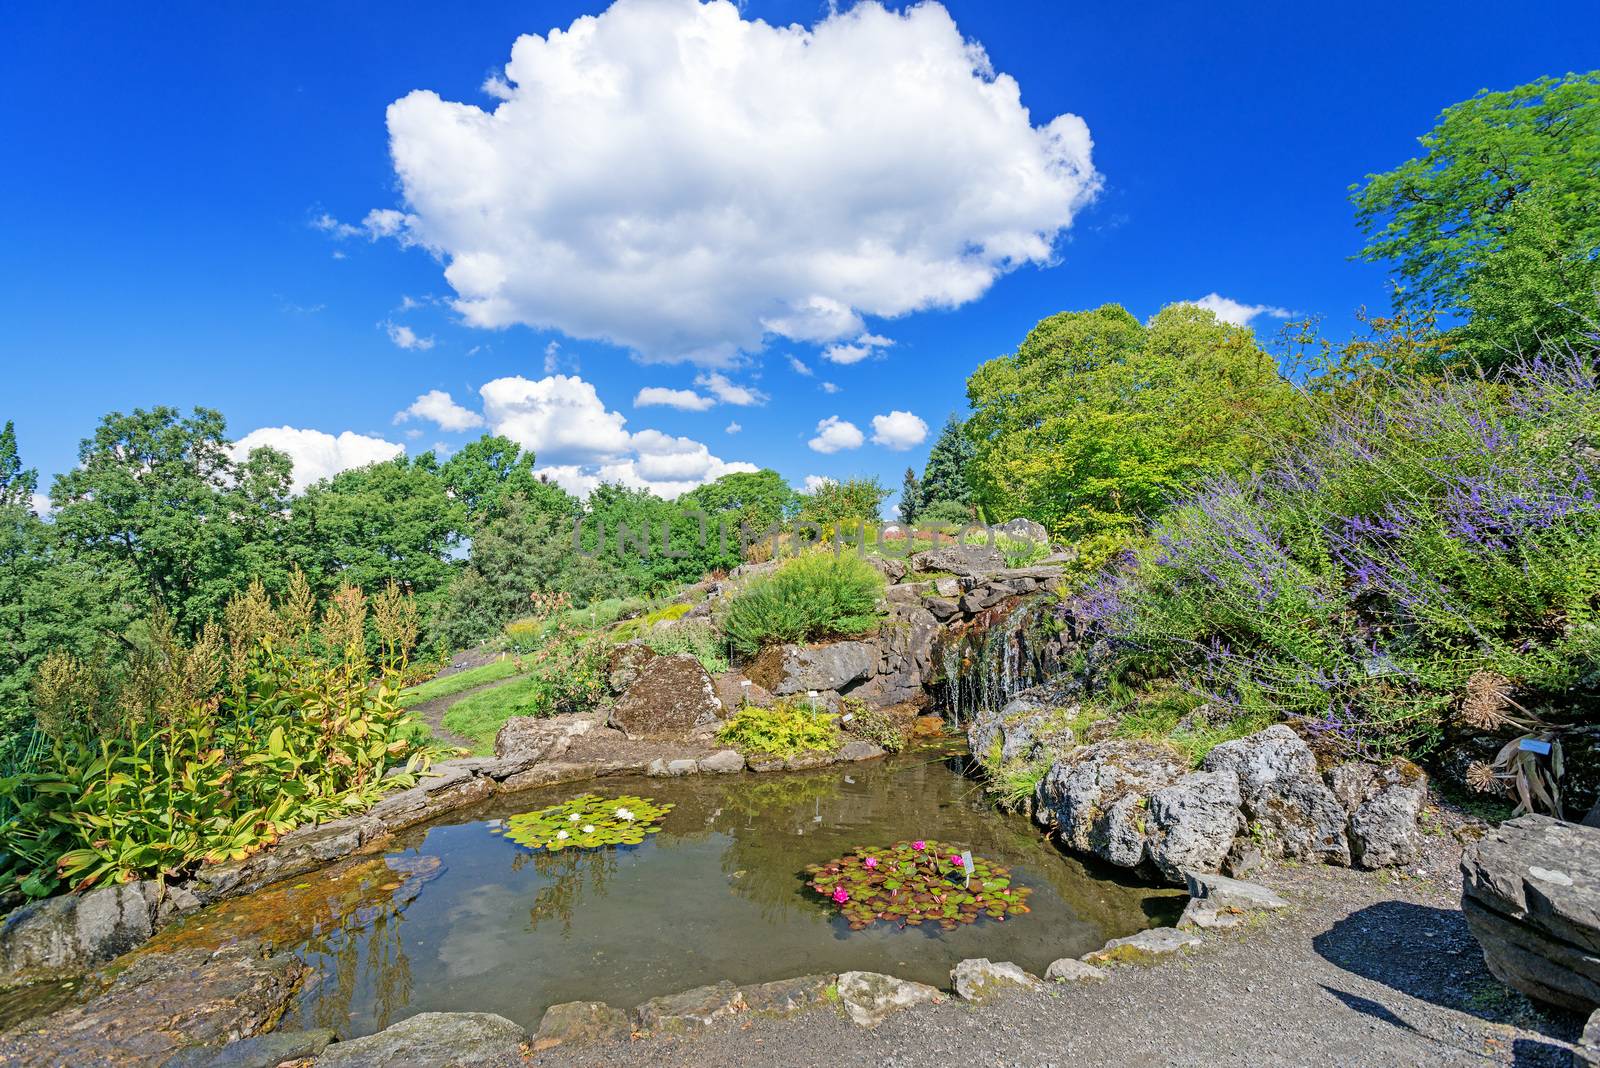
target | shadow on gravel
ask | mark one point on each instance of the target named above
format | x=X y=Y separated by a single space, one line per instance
x=1429 y=953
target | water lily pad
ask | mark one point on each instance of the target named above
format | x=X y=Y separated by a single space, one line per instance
x=587 y=822
x=912 y=882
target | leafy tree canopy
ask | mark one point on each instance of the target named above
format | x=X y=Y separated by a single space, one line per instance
x=855 y=500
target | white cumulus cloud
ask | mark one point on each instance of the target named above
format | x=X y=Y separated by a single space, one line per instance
x=686 y=399
x=835 y=434
x=729 y=392
x=407 y=338
x=816 y=482
x=439 y=407
x=1237 y=313
x=732 y=428
x=635 y=180
x=898 y=430
x=318 y=455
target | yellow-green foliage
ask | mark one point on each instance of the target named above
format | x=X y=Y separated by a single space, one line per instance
x=630 y=629
x=788 y=728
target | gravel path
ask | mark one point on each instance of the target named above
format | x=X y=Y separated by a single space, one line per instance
x=1366 y=969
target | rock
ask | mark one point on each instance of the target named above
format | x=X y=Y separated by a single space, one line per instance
x=870 y=997
x=947 y=587
x=891 y=569
x=1095 y=797
x=1205 y=915
x=581 y=1021
x=1024 y=530
x=904 y=647
x=1288 y=806
x=942 y=608
x=692 y=1010
x=1586 y=1054
x=1143 y=948
x=536 y=738
x=162 y=1003
x=1068 y=970
x=1531 y=895
x=1025 y=728
x=61 y=937
x=785 y=997
x=661 y=767
x=791 y=669
x=966 y=560
x=1384 y=803
x=1224 y=892
x=979 y=978
x=1244 y=859
x=735 y=691
x=398 y=811
x=1192 y=823
x=859 y=749
x=672 y=698
x=434 y=1040
x=260 y=1051
x=625 y=662
x=722 y=762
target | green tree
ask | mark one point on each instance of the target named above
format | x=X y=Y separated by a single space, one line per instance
x=17 y=483
x=1448 y=215
x=910 y=497
x=487 y=472
x=745 y=500
x=855 y=500
x=1097 y=421
x=946 y=478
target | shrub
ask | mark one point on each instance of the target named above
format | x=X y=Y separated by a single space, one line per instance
x=873 y=725
x=817 y=595
x=1021 y=552
x=1434 y=531
x=693 y=636
x=787 y=728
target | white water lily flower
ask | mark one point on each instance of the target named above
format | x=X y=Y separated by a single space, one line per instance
x=562 y=834
x=588 y=828
x=625 y=814
x=574 y=818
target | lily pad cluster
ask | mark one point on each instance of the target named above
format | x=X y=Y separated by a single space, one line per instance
x=911 y=883
x=588 y=821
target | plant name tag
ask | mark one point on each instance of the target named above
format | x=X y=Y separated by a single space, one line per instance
x=1534 y=745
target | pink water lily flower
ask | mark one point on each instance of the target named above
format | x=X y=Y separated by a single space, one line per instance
x=956 y=860
x=919 y=844
x=870 y=862
x=841 y=895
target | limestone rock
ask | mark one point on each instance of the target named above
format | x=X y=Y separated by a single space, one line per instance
x=536 y=738
x=859 y=749
x=1284 y=798
x=691 y=1010
x=792 y=669
x=870 y=997
x=672 y=698
x=1531 y=895
x=1026 y=728
x=581 y=1021
x=1232 y=893
x=1384 y=803
x=1095 y=796
x=625 y=662
x=785 y=997
x=722 y=762
x=979 y=978
x=1192 y=823
x=64 y=936
x=735 y=691
x=1024 y=530
x=1587 y=1052
x=661 y=767
x=259 y=1051
x=965 y=560
x=434 y=1040
x=1143 y=948
x=1068 y=970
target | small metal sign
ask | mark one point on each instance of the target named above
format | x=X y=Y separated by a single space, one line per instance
x=1534 y=745
x=966 y=866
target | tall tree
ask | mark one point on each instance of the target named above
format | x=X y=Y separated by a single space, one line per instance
x=17 y=483
x=487 y=472
x=946 y=478
x=910 y=497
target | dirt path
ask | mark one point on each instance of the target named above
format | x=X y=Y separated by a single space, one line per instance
x=1366 y=969
x=432 y=712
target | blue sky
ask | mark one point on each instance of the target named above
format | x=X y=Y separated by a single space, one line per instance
x=167 y=168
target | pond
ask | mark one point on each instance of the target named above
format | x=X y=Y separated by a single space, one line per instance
x=459 y=918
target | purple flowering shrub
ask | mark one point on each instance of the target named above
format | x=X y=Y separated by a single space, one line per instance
x=1426 y=532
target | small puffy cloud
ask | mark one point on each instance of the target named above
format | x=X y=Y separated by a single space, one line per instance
x=439 y=407
x=835 y=434
x=799 y=367
x=828 y=387
x=898 y=430
x=659 y=396
x=40 y=503
x=318 y=455
x=732 y=428
x=552 y=357
x=729 y=392
x=632 y=176
x=816 y=482
x=1232 y=311
x=864 y=346
x=579 y=443
x=407 y=338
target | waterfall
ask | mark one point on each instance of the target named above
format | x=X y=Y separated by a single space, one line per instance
x=1001 y=652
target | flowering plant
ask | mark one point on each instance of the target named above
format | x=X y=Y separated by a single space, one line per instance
x=587 y=822
x=911 y=883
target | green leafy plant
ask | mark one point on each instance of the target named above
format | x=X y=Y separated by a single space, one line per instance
x=911 y=883
x=587 y=822
x=1021 y=552
x=816 y=595
x=789 y=727
x=872 y=724
x=696 y=637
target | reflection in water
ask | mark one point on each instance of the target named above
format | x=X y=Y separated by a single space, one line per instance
x=718 y=894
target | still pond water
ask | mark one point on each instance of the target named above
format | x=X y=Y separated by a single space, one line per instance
x=458 y=918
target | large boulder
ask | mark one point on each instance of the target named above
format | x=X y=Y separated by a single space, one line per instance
x=792 y=669
x=1095 y=797
x=1289 y=808
x=968 y=561
x=1384 y=802
x=672 y=698
x=61 y=937
x=691 y=1010
x=1024 y=530
x=979 y=978
x=434 y=1040
x=1026 y=728
x=1192 y=823
x=871 y=997
x=905 y=656
x=624 y=663
x=537 y=738
x=1531 y=895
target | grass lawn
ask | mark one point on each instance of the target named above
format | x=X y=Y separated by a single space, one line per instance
x=461 y=680
x=480 y=716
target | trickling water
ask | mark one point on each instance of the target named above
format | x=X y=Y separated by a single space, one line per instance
x=1003 y=651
